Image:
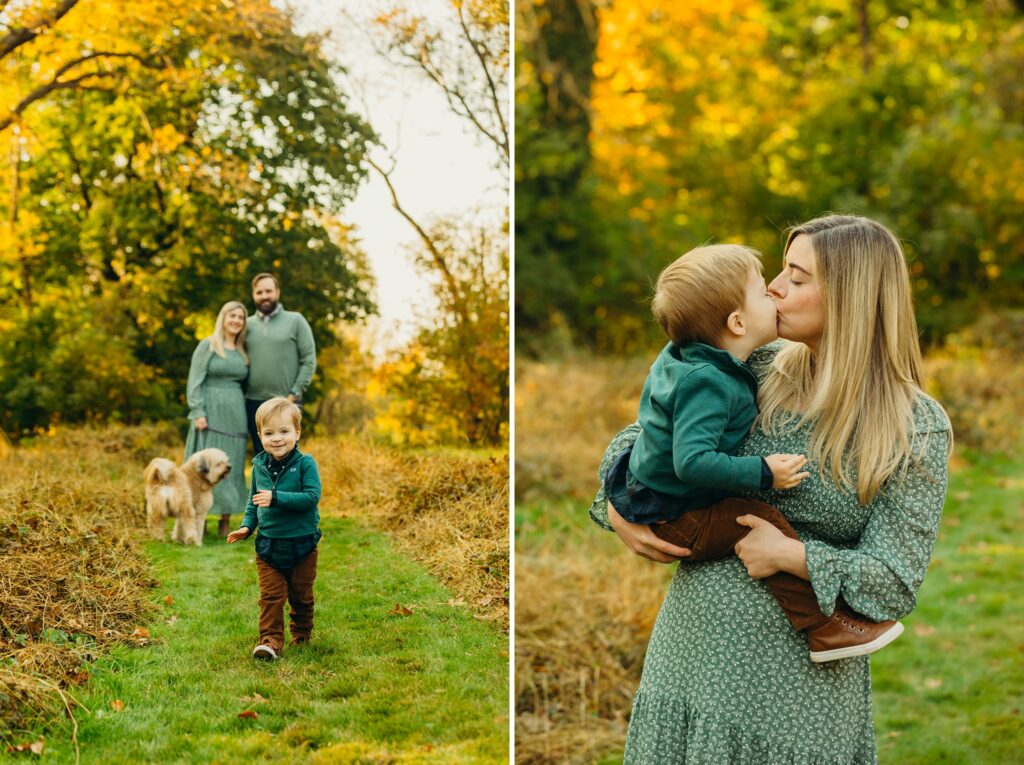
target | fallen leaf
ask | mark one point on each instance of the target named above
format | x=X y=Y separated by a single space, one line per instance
x=37 y=745
x=117 y=705
x=169 y=599
x=923 y=630
x=249 y=714
x=400 y=610
x=254 y=699
x=456 y=602
x=172 y=620
x=931 y=683
x=141 y=632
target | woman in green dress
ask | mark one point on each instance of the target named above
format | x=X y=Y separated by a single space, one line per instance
x=216 y=402
x=727 y=680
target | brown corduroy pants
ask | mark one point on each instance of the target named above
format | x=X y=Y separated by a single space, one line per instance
x=711 y=534
x=294 y=585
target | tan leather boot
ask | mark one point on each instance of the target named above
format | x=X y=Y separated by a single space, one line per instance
x=847 y=634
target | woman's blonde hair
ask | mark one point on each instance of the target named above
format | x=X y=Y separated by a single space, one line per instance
x=696 y=293
x=217 y=338
x=860 y=388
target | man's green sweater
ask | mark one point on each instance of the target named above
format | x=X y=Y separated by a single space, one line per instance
x=294 y=510
x=698 y=404
x=282 y=355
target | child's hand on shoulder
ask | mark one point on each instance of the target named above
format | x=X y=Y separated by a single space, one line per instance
x=235 y=536
x=786 y=470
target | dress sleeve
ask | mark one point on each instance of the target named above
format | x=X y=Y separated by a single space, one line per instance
x=622 y=441
x=196 y=378
x=880 y=576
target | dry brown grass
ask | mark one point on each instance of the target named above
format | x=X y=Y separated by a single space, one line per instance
x=73 y=581
x=565 y=413
x=447 y=511
x=584 y=605
x=978 y=376
x=584 y=611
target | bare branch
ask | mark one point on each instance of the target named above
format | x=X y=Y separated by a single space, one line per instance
x=436 y=255
x=495 y=103
x=18 y=36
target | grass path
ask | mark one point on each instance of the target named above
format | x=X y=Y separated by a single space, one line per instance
x=372 y=687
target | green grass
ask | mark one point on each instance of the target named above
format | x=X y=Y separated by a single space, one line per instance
x=371 y=687
x=950 y=690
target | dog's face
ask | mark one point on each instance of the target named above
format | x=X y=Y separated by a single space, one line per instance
x=211 y=464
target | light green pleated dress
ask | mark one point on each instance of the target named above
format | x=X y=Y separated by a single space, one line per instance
x=726 y=679
x=215 y=392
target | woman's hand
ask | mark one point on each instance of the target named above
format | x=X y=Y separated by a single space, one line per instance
x=200 y=423
x=766 y=550
x=241 y=533
x=263 y=498
x=639 y=538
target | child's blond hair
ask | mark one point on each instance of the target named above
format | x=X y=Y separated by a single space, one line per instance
x=695 y=295
x=275 y=407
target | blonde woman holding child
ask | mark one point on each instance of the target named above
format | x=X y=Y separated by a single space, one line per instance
x=216 y=400
x=852 y=453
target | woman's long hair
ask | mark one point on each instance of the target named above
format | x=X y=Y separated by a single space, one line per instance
x=217 y=338
x=859 y=389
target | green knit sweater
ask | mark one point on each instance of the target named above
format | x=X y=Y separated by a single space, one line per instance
x=698 y=405
x=282 y=355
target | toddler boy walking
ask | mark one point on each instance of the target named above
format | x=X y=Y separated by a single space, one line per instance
x=283 y=505
x=698 y=404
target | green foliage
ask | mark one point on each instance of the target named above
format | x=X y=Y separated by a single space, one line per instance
x=559 y=248
x=703 y=125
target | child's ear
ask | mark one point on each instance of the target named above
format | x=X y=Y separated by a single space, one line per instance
x=735 y=325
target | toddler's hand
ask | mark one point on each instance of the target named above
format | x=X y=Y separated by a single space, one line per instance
x=262 y=498
x=234 y=536
x=786 y=470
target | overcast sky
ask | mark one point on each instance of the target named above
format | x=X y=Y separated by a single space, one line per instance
x=441 y=167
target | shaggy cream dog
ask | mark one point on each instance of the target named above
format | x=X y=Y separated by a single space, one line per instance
x=185 y=493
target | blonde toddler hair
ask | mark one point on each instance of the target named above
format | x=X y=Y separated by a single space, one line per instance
x=276 y=407
x=695 y=294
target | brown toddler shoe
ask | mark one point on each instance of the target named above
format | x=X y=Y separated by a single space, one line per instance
x=847 y=634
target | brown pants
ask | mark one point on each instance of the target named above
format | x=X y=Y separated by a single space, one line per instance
x=711 y=533
x=295 y=585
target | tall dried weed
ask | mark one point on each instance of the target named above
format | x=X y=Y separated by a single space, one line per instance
x=73 y=580
x=566 y=411
x=978 y=375
x=448 y=511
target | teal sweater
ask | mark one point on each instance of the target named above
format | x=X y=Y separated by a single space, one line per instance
x=294 y=511
x=698 y=404
x=282 y=355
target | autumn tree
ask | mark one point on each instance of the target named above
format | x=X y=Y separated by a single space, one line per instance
x=729 y=121
x=143 y=197
x=452 y=382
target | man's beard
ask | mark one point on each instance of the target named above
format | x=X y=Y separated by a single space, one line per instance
x=267 y=306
